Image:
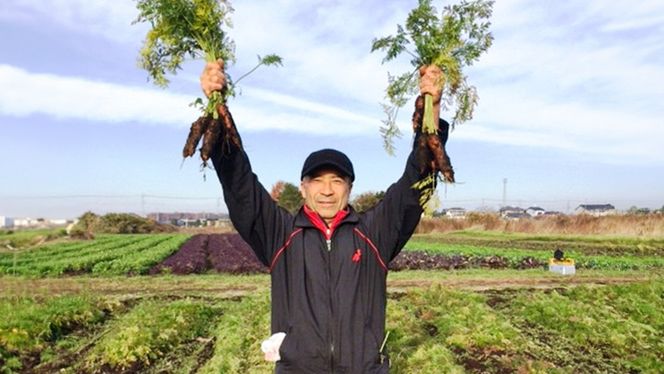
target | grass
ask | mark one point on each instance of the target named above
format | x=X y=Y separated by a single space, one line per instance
x=156 y=324
x=141 y=337
x=22 y=239
x=30 y=325
x=464 y=321
x=625 y=225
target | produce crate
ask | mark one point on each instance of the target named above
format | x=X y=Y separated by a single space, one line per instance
x=564 y=267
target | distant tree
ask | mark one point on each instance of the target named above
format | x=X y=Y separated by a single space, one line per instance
x=367 y=200
x=636 y=210
x=432 y=205
x=277 y=189
x=86 y=226
x=290 y=198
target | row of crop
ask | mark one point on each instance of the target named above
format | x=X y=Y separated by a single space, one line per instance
x=30 y=337
x=132 y=254
x=66 y=250
x=516 y=256
x=588 y=245
x=601 y=329
x=28 y=326
x=140 y=262
x=435 y=330
x=82 y=262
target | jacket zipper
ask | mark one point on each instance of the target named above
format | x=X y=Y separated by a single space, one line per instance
x=328 y=241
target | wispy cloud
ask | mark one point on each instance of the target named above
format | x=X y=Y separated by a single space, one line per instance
x=71 y=97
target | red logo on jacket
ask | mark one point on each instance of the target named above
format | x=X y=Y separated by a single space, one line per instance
x=357 y=256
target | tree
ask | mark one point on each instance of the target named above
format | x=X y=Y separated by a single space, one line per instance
x=367 y=200
x=432 y=205
x=86 y=226
x=277 y=189
x=290 y=198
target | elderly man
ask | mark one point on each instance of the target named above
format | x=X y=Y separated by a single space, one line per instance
x=328 y=263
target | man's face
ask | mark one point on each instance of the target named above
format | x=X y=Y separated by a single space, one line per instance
x=326 y=191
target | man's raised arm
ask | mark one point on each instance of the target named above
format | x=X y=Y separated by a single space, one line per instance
x=254 y=214
x=393 y=221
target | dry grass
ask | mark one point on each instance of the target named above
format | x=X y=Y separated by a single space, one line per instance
x=651 y=225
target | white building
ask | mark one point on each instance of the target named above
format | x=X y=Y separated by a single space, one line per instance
x=6 y=222
x=596 y=209
x=456 y=213
x=535 y=211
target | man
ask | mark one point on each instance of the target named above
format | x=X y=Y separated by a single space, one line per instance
x=328 y=263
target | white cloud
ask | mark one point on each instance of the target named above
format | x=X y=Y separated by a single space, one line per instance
x=108 y=18
x=70 y=97
x=579 y=76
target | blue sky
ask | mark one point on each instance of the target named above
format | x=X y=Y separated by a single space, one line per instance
x=570 y=105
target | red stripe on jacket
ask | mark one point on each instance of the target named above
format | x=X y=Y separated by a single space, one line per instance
x=283 y=248
x=373 y=248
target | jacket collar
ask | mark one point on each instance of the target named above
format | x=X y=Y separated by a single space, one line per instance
x=302 y=220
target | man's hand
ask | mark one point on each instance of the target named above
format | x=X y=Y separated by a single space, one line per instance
x=213 y=77
x=431 y=82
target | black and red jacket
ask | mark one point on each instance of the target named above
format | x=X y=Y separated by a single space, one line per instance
x=328 y=284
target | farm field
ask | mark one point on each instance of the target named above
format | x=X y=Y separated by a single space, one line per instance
x=141 y=303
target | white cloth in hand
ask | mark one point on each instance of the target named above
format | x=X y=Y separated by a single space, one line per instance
x=271 y=346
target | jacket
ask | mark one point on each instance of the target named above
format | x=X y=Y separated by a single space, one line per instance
x=328 y=283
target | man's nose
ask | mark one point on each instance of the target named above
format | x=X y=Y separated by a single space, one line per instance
x=327 y=188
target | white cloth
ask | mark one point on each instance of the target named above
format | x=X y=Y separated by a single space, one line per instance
x=270 y=347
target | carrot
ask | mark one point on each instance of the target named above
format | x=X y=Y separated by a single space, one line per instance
x=196 y=131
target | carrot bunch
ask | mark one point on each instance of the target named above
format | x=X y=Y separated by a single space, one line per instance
x=194 y=29
x=449 y=40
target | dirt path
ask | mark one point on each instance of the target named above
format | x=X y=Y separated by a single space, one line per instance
x=229 y=287
x=484 y=284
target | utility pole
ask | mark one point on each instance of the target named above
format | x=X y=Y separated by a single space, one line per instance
x=504 y=192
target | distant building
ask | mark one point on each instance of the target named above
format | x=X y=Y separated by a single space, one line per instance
x=182 y=218
x=456 y=213
x=535 y=211
x=513 y=212
x=25 y=222
x=6 y=222
x=596 y=209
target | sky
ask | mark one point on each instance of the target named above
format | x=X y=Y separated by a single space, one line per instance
x=570 y=109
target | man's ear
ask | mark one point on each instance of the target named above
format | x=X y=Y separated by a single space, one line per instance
x=304 y=195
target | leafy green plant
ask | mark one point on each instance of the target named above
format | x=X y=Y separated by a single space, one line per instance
x=142 y=336
x=192 y=29
x=239 y=333
x=28 y=326
x=449 y=41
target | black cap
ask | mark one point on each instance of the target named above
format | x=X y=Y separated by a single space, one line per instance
x=331 y=158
